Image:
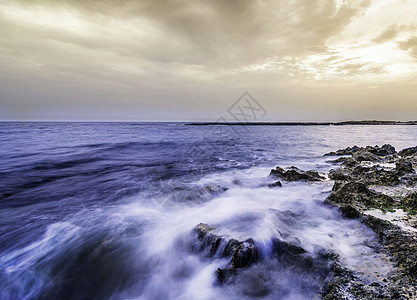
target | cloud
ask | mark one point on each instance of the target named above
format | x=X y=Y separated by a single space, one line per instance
x=162 y=56
x=409 y=45
x=387 y=35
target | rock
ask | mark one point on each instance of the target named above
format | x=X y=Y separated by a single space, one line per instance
x=346 y=151
x=213 y=189
x=295 y=174
x=208 y=240
x=410 y=202
x=367 y=175
x=245 y=254
x=403 y=167
x=364 y=155
x=374 y=176
x=348 y=211
x=408 y=151
x=385 y=150
x=201 y=194
x=357 y=195
x=275 y=184
x=339 y=175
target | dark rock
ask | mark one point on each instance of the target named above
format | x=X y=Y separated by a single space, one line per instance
x=281 y=248
x=364 y=155
x=376 y=150
x=348 y=211
x=346 y=151
x=408 y=151
x=246 y=254
x=410 y=202
x=374 y=175
x=339 y=175
x=294 y=174
x=275 y=184
x=208 y=239
x=385 y=150
x=357 y=194
x=403 y=167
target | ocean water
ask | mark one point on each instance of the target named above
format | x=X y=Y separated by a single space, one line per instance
x=107 y=210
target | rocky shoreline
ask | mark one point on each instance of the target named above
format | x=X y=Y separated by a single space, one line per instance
x=375 y=185
x=372 y=183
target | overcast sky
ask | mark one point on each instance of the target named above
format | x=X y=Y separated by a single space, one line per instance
x=191 y=60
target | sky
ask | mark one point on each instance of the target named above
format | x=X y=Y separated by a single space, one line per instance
x=173 y=60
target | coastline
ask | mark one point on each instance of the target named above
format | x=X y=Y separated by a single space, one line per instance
x=343 y=123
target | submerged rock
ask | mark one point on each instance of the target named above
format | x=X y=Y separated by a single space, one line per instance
x=295 y=174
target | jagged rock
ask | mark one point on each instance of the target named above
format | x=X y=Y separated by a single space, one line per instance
x=348 y=211
x=408 y=151
x=357 y=195
x=403 y=167
x=245 y=254
x=339 y=175
x=374 y=175
x=295 y=174
x=376 y=150
x=346 y=151
x=365 y=155
x=275 y=184
x=351 y=194
x=410 y=202
x=385 y=150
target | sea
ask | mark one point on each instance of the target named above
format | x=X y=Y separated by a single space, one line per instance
x=108 y=210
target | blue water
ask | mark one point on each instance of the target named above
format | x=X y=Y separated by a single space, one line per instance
x=103 y=210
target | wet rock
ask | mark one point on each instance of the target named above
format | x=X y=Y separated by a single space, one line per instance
x=403 y=167
x=385 y=150
x=295 y=174
x=408 y=151
x=365 y=155
x=351 y=194
x=357 y=195
x=348 y=211
x=409 y=180
x=346 y=151
x=209 y=241
x=245 y=254
x=213 y=189
x=339 y=175
x=275 y=184
x=374 y=175
x=410 y=202
x=201 y=194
